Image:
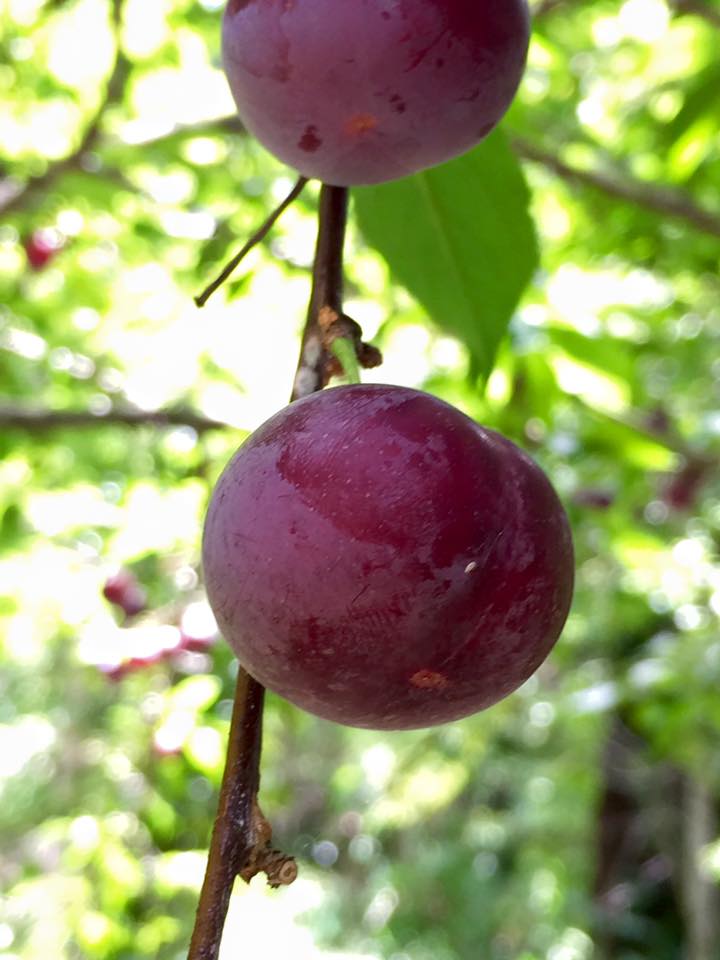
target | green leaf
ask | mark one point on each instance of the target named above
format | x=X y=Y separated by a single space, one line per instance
x=611 y=355
x=461 y=239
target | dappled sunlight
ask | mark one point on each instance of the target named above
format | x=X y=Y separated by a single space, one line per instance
x=167 y=97
x=85 y=28
x=159 y=520
x=47 y=131
x=102 y=643
x=580 y=295
x=260 y=922
x=64 y=511
x=21 y=741
x=645 y=20
x=407 y=361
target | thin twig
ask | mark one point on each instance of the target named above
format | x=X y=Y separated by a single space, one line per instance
x=41 y=421
x=658 y=199
x=253 y=241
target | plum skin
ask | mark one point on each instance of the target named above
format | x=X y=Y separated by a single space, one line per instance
x=379 y=559
x=364 y=91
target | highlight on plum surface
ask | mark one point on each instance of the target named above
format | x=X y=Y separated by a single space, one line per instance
x=362 y=91
x=379 y=559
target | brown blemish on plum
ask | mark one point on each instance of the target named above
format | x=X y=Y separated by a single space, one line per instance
x=397 y=103
x=429 y=680
x=360 y=123
x=310 y=141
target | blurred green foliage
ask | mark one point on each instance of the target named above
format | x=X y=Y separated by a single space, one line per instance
x=576 y=819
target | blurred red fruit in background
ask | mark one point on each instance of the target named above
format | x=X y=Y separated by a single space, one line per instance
x=123 y=591
x=42 y=246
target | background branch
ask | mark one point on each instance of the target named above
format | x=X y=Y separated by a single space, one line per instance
x=15 y=196
x=39 y=421
x=698 y=9
x=661 y=200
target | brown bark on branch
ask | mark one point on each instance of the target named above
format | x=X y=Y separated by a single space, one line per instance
x=327 y=290
x=326 y=321
x=235 y=837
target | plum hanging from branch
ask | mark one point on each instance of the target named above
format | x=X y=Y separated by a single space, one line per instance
x=379 y=559
x=362 y=91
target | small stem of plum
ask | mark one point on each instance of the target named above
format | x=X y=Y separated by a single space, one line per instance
x=328 y=280
x=327 y=290
x=344 y=351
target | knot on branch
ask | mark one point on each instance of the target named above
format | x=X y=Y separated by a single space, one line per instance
x=280 y=869
x=334 y=326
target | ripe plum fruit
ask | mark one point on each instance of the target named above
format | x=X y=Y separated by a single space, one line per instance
x=362 y=91
x=379 y=559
